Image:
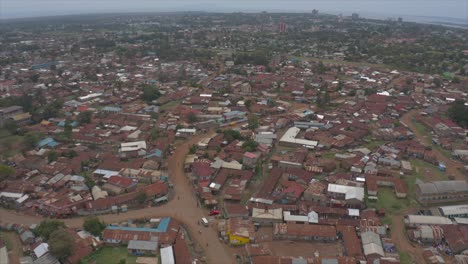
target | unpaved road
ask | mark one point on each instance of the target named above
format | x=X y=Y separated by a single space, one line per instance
x=398 y=227
x=400 y=239
x=452 y=165
x=184 y=209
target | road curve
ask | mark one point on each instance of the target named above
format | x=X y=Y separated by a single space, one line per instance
x=183 y=207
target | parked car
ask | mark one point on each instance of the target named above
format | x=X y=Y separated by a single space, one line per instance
x=214 y=212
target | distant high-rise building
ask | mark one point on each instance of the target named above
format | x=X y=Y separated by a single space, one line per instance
x=282 y=27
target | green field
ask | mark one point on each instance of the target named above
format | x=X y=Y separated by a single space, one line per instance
x=388 y=201
x=405 y=258
x=110 y=255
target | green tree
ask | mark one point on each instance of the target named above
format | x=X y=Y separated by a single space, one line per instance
x=52 y=156
x=458 y=112
x=85 y=117
x=61 y=244
x=192 y=117
x=193 y=149
x=248 y=104
x=67 y=130
x=253 y=122
x=6 y=171
x=34 y=78
x=94 y=226
x=231 y=135
x=150 y=93
x=47 y=226
x=249 y=145
x=31 y=139
x=141 y=198
x=11 y=126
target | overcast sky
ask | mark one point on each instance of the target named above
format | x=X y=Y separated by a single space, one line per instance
x=441 y=8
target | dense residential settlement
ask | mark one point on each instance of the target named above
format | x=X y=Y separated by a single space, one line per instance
x=233 y=138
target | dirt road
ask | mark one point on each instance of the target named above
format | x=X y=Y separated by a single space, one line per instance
x=401 y=240
x=183 y=209
x=452 y=165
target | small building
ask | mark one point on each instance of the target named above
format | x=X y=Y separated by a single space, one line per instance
x=372 y=245
x=167 y=255
x=267 y=216
x=417 y=220
x=438 y=192
x=250 y=159
x=240 y=231
x=141 y=247
x=426 y=234
x=453 y=211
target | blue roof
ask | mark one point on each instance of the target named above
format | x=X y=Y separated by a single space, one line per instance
x=162 y=227
x=48 y=141
x=62 y=124
x=155 y=153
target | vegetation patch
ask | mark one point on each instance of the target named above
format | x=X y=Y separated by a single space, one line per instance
x=111 y=255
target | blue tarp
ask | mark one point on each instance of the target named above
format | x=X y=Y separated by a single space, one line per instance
x=48 y=141
x=162 y=227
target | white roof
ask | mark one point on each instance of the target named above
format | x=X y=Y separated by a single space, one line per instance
x=260 y=200
x=22 y=199
x=41 y=249
x=106 y=173
x=351 y=192
x=132 y=146
x=11 y=195
x=290 y=137
x=311 y=217
x=454 y=209
x=461 y=220
x=267 y=214
x=373 y=249
x=127 y=128
x=428 y=220
x=353 y=212
x=167 y=256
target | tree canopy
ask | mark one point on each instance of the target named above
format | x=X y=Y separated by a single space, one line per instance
x=94 y=226
x=61 y=244
x=150 y=93
x=47 y=227
x=85 y=117
x=5 y=171
x=458 y=112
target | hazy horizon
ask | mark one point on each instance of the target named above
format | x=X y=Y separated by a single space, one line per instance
x=413 y=10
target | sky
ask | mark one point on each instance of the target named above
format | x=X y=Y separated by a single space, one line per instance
x=450 y=9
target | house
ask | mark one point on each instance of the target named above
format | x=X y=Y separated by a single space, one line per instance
x=437 y=192
x=240 y=231
x=417 y=220
x=165 y=233
x=118 y=185
x=453 y=211
x=352 y=195
x=351 y=242
x=132 y=149
x=289 y=139
x=250 y=159
x=3 y=253
x=167 y=255
x=372 y=245
x=426 y=234
x=292 y=231
x=141 y=247
x=8 y=112
x=267 y=216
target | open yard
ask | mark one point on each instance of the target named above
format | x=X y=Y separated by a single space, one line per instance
x=264 y=237
x=10 y=145
x=427 y=171
x=388 y=201
x=110 y=255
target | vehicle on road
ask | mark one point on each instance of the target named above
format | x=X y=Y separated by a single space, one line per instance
x=214 y=212
x=204 y=221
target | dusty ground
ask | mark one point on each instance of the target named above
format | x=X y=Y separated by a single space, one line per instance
x=184 y=209
x=452 y=165
x=398 y=228
x=16 y=251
